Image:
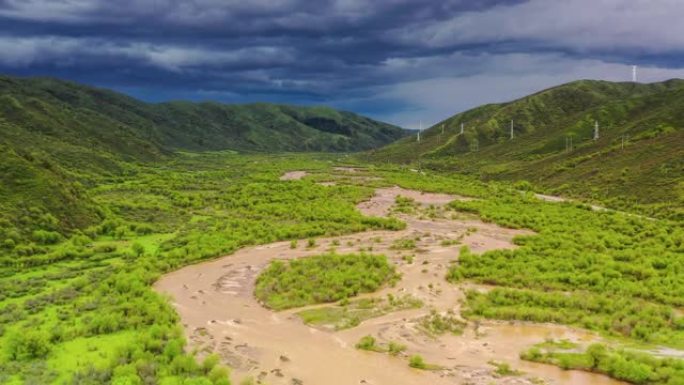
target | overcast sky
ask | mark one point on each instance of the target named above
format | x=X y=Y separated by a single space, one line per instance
x=401 y=61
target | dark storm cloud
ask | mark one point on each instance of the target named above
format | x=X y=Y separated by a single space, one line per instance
x=394 y=59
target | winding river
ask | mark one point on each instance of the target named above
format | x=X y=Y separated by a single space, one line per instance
x=220 y=314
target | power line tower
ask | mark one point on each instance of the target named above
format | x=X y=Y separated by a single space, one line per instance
x=596 y=130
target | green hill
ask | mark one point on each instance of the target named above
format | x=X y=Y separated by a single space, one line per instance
x=56 y=136
x=638 y=158
x=128 y=126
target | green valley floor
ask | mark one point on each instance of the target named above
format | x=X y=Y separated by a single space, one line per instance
x=467 y=282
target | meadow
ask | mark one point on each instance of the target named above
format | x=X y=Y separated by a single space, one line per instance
x=76 y=305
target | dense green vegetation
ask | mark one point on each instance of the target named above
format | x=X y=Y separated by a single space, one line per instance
x=601 y=270
x=322 y=278
x=642 y=172
x=634 y=367
x=64 y=109
x=78 y=307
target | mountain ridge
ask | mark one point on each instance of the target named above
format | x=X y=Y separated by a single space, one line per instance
x=213 y=125
x=637 y=158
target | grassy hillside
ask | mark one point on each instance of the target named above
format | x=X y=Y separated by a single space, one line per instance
x=57 y=137
x=638 y=158
x=129 y=126
x=268 y=127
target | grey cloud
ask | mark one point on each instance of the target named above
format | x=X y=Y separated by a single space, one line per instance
x=370 y=56
x=646 y=25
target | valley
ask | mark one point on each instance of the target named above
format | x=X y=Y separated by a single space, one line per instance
x=137 y=259
x=102 y=303
x=341 y=192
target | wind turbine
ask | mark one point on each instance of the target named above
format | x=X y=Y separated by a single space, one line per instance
x=596 y=130
x=634 y=74
x=420 y=129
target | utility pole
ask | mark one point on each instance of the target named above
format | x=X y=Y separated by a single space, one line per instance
x=511 y=129
x=596 y=130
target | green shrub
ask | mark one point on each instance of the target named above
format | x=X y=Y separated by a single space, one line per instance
x=367 y=343
x=417 y=361
x=396 y=348
x=46 y=237
x=27 y=345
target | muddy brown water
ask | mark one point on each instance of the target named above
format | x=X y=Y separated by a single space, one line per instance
x=220 y=314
